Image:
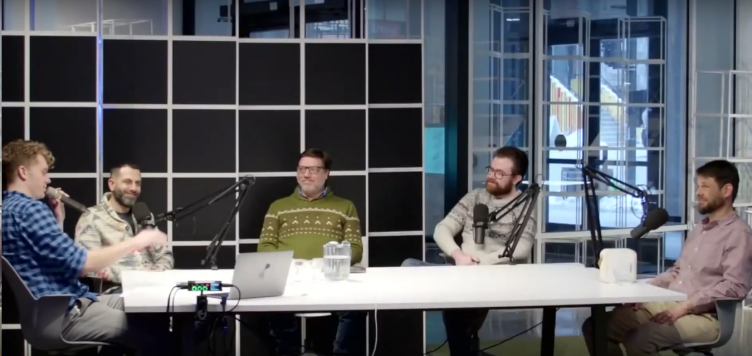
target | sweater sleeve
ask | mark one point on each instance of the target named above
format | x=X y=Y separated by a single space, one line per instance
x=453 y=224
x=269 y=238
x=353 y=234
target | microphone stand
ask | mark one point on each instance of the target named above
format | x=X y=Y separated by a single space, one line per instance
x=589 y=176
x=241 y=186
x=528 y=199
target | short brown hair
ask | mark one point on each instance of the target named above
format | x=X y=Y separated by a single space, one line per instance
x=115 y=170
x=320 y=154
x=517 y=156
x=722 y=171
x=22 y=153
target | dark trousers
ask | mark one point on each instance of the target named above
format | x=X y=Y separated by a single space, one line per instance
x=461 y=324
x=349 y=339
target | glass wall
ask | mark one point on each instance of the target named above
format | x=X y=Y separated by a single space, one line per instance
x=596 y=83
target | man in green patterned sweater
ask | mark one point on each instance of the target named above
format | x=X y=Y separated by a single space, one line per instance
x=303 y=222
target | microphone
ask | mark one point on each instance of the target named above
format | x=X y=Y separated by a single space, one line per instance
x=54 y=193
x=480 y=223
x=653 y=220
x=143 y=215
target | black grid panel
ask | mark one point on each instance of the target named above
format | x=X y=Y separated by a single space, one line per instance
x=136 y=136
x=341 y=133
x=206 y=223
x=203 y=141
x=269 y=140
x=75 y=147
x=395 y=202
x=13 y=124
x=203 y=72
x=13 y=69
x=135 y=72
x=269 y=74
x=70 y=75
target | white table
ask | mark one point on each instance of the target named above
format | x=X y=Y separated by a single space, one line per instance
x=546 y=286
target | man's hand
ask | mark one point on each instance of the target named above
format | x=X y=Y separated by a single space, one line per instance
x=463 y=259
x=58 y=208
x=671 y=315
x=149 y=237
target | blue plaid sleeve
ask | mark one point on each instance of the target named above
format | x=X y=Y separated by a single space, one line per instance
x=56 y=251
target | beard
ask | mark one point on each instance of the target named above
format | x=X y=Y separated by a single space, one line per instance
x=710 y=206
x=122 y=199
x=311 y=188
x=496 y=190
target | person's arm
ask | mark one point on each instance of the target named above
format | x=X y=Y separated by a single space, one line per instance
x=55 y=249
x=161 y=257
x=269 y=238
x=522 y=250
x=89 y=236
x=452 y=225
x=737 y=272
x=665 y=279
x=353 y=234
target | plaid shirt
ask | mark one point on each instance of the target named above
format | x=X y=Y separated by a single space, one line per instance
x=46 y=259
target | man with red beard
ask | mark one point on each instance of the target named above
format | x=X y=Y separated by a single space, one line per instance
x=508 y=166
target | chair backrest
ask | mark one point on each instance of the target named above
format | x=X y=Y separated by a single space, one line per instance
x=726 y=310
x=41 y=319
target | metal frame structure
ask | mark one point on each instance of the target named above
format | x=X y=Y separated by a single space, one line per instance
x=237 y=241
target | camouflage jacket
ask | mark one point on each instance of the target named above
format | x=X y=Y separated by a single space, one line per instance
x=102 y=227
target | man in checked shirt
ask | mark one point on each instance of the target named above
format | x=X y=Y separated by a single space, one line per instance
x=715 y=263
x=49 y=262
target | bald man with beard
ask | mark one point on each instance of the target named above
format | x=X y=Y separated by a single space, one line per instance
x=112 y=221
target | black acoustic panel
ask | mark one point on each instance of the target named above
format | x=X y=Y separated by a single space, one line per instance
x=13 y=341
x=381 y=251
x=335 y=74
x=13 y=69
x=400 y=332
x=10 y=307
x=257 y=202
x=137 y=136
x=341 y=133
x=352 y=188
x=84 y=191
x=13 y=124
x=135 y=72
x=198 y=78
x=269 y=140
x=248 y=248
x=189 y=257
x=395 y=201
x=395 y=74
x=71 y=135
x=269 y=74
x=395 y=138
x=203 y=225
x=203 y=141
x=70 y=75
x=153 y=193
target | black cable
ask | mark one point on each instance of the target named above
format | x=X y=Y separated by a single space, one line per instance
x=222 y=316
x=492 y=346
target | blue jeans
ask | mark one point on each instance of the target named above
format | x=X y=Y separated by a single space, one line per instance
x=457 y=322
x=349 y=340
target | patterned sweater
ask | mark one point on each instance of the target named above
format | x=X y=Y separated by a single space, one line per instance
x=460 y=219
x=304 y=226
x=102 y=227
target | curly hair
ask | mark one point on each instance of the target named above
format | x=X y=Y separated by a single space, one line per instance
x=22 y=153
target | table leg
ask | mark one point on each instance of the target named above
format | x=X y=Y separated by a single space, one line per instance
x=549 y=331
x=600 y=325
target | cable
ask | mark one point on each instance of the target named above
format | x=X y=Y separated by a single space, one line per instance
x=375 y=329
x=492 y=346
x=222 y=317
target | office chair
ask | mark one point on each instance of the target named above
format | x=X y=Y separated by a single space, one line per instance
x=726 y=310
x=42 y=318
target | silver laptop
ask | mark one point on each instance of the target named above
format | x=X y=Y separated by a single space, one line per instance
x=260 y=274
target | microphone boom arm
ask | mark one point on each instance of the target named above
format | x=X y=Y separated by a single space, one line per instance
x=528 y=199
x=589 y=177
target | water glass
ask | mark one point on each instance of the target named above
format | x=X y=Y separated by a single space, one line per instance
x=337 y=258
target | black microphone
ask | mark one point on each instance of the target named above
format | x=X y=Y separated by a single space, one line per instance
x=653 y=220
x=54 y=193
x=480 y=223
x=143 y=215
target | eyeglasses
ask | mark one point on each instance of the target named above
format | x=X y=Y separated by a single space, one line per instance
x=496 y=173
x=313 y=170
